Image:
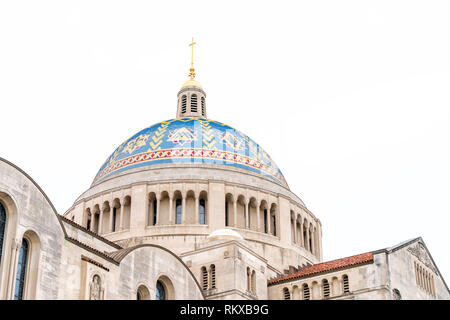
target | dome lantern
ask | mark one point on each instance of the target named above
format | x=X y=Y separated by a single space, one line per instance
x=191 y=97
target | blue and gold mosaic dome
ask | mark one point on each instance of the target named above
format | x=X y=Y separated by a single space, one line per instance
x=194 y=141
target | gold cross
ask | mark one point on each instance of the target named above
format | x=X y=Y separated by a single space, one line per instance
x=192 y=52
x=192 y=74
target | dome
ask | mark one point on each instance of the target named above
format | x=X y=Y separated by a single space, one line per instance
x=192 y=83
x=190 y=140
x=224 y=234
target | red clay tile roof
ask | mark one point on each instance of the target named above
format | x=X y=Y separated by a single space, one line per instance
x=326 y=267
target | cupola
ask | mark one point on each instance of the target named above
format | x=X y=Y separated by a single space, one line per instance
x=191 y=97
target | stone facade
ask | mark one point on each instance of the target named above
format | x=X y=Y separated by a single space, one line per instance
x=66 y=261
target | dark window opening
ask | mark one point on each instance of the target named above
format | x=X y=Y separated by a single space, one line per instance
x=202 y=211
x=178 y=211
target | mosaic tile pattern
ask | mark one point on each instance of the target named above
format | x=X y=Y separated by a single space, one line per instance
x=190 y=140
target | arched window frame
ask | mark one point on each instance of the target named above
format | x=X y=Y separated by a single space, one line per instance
x=306 y=292
x=178 y=211
x=274 y=226
x=168 y=287
x=227 y=214
x=194 y=103
x=325 y=288
x=22 y=270
x=203 y=107
x=161 y=291
x=346 y=284
x=265 y=221
x=396 y=294
x=248 y=279
x=3 y=222
x=286 y=294
x=155 y=211
x=202 y=209
x=253 y=282
x=114 y=217
x=89 y=221
x=212 y=272
x=204 y=274
x=142 y=293
x=183 y=104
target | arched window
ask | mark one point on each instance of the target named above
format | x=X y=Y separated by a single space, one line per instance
x=310 y=241
x=212 y=271
x=286 y=294
x=254 y=281
x=155 y=208
x=345 y=283
x=249 y=214
x=202 y=211
x=204 y=279
x=183 y=104
x=249 y=279
x=114 y=217
x=325 y=288
x=178 y=211
x=274 y=225
x=2 y=228
x=265 y=220
x=203 y=106
x=160 y=291
x=305 y=238
x=96 y=222
x=194 y=103
x=306 y=294
x=88 y=224
x=396 y=294
x=226 y=213
x=21 y=270
x=142 y=293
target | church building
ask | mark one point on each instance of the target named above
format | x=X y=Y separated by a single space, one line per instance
x=189 y=208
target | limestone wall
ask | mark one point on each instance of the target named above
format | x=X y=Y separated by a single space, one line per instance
x=234 y=265
x=264 y=216
x=31 y=216
x=63 y=259
x=403 y=275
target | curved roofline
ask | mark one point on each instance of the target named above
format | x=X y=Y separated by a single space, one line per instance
x=40 y=190
x=122 y=254
x=59 y=217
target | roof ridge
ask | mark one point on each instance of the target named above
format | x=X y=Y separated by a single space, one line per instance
x=76 y=225
x=326 y=266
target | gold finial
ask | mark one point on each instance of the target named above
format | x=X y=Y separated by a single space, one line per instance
x=192 y=73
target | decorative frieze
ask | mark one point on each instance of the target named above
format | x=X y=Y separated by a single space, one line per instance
x=418 y=250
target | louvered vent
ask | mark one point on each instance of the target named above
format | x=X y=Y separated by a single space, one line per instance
x=213 y=276
x=183 y=104
x=286 y=294
x=204 y=279
x=194 y=103
x=305 y=292
x=326 y=288
x=203 y=106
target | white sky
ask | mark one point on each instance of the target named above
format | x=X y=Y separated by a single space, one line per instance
x=350 y=98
